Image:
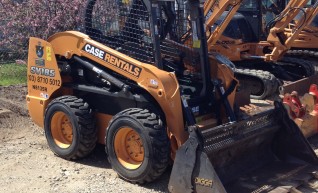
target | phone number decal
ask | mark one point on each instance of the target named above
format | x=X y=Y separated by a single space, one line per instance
x=45 y=80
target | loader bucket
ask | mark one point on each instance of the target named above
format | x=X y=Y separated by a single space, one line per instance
x=242 y=156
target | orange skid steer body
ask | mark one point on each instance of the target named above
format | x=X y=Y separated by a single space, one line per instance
x=84 y=89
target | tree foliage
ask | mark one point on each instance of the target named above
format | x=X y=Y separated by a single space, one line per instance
x=20 y=19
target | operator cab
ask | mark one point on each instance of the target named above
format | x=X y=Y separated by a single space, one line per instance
x=168 y=44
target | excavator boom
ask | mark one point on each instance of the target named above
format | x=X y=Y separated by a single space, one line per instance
x=277 y=39
x=266 y=57
x=213 y=9
x=277 y=36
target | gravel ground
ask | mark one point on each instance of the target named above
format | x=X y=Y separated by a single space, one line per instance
x=28 y=165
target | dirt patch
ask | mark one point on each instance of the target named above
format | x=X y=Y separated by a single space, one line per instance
x=13 y=98
x=28 y=165
x=15 y=93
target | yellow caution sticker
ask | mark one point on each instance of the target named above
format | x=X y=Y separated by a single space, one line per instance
x=196 y=44
x=48 y=53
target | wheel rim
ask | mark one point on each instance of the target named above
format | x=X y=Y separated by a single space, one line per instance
x=62 y=130
x=129 y=148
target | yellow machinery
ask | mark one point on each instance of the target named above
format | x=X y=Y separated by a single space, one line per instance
x=262 y=61
x=283 y=36
x=278 y=37
x=282 y=33
x=133 y=84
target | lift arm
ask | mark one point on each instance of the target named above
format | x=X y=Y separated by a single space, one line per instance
x=213 y=9
x=277 y=37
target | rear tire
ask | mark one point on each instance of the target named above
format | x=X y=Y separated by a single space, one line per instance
x=137 y=145
x=69 y=127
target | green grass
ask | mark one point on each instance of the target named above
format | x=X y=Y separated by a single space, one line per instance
x=12 y=74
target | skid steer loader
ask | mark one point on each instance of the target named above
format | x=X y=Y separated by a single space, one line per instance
x=132 y=84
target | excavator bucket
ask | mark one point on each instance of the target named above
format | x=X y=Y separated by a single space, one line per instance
x=244 y=156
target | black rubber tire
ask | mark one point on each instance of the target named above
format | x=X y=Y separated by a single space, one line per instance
x=83 y=127
x=155 y=142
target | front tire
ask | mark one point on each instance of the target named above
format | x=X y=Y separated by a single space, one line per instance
x=69 y=127
x=137 y=145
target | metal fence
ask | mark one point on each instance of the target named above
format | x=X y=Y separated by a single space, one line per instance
x=21 y=19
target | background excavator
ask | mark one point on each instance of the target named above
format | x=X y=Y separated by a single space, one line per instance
x=129 y=83
x=262 y=15
x=243 y=43
x=306 y=45
x=220 y=17
x=280 y=39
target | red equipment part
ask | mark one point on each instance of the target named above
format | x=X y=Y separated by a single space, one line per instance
x=313 y=90
x=304 y=110
x=295 y=108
